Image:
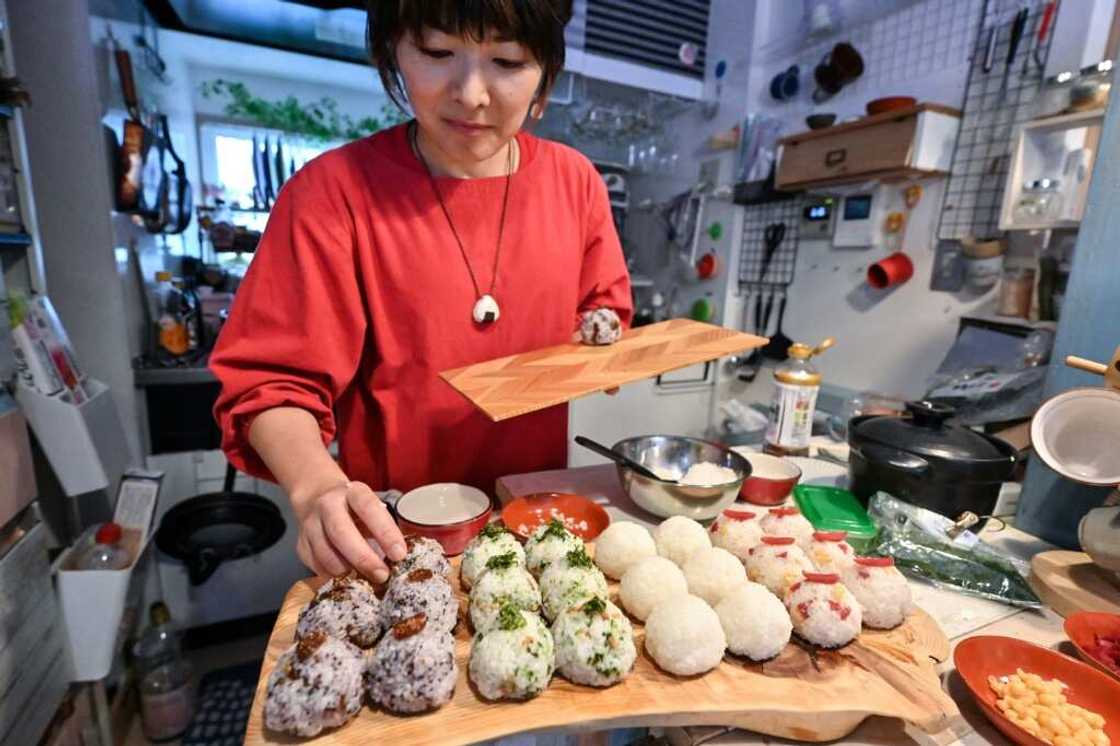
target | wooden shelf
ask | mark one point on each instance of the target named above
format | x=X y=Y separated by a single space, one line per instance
x=868 y=121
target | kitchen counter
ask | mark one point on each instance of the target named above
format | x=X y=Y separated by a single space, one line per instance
x=959 y=615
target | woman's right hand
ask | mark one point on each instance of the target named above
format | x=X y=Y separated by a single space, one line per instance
x=334 y=531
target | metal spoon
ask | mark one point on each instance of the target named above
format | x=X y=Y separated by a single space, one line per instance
x=618 y=458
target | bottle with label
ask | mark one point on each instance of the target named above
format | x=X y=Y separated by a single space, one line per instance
x=797 y=383
x=173 y=339
x=105 y=553
x=166 y=694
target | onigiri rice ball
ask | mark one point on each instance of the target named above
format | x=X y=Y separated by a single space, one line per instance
x=316 y=684
x=423 y=554
x=647 y=583
x=823 y=611
x=549 y=542
x=345 y=608
x=756 y=623
x=829 y=552
x=569 y=580
x=777 y=563
x=736 y=530
x=594 y=643
x=516 y=659
x=504 y=582
x=493 y=540
x=882 y=591
x=788 y=522
x=413 y=668
x=421 y=592
x=684 y=636
x=712 y=572
x=678 y=537
x=620 y=546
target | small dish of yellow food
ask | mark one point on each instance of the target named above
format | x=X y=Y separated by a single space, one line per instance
x=1039 y=706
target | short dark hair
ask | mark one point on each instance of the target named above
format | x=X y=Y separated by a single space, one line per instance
x=537 y=24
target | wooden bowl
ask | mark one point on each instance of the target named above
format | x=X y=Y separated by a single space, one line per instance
x=582 y=517
x=1082 y=630
x=988 y=655
x=890 y=103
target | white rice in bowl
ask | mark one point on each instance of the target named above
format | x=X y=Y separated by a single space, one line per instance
x=882 y=591
x=678 y=537
x=516 y=659
x=756 y=623
x=594 y=643
x=712 y=572
x=647 y=583
x=622 y=545
x=494 y=539
x=684 y=636
x=504 y=582
x=549 y=542
x=823 y=611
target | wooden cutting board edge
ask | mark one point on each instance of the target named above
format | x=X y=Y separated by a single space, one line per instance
x=1069 y=582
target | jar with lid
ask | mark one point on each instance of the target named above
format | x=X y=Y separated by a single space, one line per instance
x=1016 y=291
x=797 y=383
x=1039 y=201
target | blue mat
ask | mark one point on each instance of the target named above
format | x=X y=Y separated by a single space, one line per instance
x=222 y=707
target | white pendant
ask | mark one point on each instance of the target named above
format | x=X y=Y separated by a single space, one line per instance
x=486 y=310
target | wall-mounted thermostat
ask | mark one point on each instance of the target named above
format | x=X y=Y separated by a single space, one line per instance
x=857 y=220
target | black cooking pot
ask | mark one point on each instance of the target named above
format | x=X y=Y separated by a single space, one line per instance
x=923 y=460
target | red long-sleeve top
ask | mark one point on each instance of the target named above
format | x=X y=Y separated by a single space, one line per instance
x=358 y=297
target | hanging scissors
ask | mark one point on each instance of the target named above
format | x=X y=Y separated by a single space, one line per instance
x=772 y=238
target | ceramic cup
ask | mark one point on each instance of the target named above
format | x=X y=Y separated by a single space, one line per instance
x=786 y=84
x=894 y=270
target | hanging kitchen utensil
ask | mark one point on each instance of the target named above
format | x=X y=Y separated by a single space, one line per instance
x=1043 y=31
x=258 y=179
x=772 y=237
x=154 y=185
x=266 y=173
x=1017 y=27
x=137 y=138
x=778 y=346
x=618 y=458
x=280 y=178
x=179 y=199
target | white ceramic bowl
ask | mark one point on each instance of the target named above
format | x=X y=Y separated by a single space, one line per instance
x=1076 y=433
x=452 y=514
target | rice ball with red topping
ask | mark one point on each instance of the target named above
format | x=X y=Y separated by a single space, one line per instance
x=316 y=684
x=788 y=522
x=830 y=552
x=777 y=563
x=882 y=591
x=712 y=572
x=823 y=611
x=737 y=530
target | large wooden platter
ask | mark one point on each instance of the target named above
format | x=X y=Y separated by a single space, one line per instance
x=1070 y=582
x=519 y=384
x=805 y=694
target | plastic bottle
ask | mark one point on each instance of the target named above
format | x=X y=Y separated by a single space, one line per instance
x=106 y=552
x=166 y=694
x=173 y=338
x=797 y=384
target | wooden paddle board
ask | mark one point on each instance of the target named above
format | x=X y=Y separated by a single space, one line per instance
x=1069 y=582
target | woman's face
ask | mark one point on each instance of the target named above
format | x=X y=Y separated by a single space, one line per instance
x=469 y=97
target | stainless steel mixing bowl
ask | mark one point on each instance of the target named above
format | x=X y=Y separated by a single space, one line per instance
x=673 y=452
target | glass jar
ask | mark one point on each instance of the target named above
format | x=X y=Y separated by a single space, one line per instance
x=1016 y=291
x=1039 y=201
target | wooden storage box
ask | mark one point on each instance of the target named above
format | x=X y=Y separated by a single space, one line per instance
x=908 y=143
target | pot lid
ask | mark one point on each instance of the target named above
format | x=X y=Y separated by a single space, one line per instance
x=926 y=433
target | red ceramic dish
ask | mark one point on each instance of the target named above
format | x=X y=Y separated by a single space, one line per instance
x=1084 y=627
x=890 y=103
x=452 y=514
x=987 y=655
x=582 y=517
x=771 y=480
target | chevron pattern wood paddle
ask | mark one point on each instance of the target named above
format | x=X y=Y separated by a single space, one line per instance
x=519 y=384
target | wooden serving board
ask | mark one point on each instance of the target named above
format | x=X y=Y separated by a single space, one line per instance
x=519 y=384
x=805 y=694
x=1070 y=582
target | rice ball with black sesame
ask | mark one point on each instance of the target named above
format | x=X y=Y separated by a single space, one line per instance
x=829 y=551
x=423 y=554
x=777 y=563
x=504 y=582
x=756 y=623
x=594 y=643
x=316 y=685
x=345 y=608
x=712 y=572
x=882 y=591
x=620 y=546
x=413 y=668
x=649 y=582
x=823 y=611
x=684 y=636
x=515 y=659
x=678 y=537
x=421 y=592
x=493 y=540
x=549 y=542
x=788 y=522
x=737 y=530
x=570 y=579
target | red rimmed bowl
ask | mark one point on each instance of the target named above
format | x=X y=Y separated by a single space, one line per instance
x=579 y=515
x=772 y=478
x=890 y=103
x=1084 y=627
x=982 y=656
x=452 y=514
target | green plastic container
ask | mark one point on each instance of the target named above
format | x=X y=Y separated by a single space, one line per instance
x=835 y=509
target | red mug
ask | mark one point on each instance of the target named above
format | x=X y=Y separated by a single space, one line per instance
x=894 y=270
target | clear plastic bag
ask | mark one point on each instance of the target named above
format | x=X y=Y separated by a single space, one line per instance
x=921 y=543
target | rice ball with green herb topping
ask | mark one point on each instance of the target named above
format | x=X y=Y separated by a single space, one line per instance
x=712 y=572
x=594 y=643
x=649 y=582
x=515 y=659
x=549 y=542
x=504 y=582
x=620 y=546
x=684 y=636
x=756 y=623
x=678 y=537
x=493 y=540
x=569 y=579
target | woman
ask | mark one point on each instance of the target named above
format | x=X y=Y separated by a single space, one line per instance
x=454 y=239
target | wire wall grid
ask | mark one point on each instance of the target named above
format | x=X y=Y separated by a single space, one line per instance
x=992 y=112
x=779 y=271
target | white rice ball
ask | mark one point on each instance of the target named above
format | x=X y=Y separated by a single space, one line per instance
x=737 y=531
x=594 y=643
x=777 y=563
x=684 y=636
x=756 y=623
x=823 y=610
x=647 y=583
x=516 y=659
x=620 y=546
x=712 y=572
x=505 y=582
x=494 y=539
x=788 y=522
x=569 y=581
x=678 y=537
x=549 y=542
x=830 y=553
x=882 y=591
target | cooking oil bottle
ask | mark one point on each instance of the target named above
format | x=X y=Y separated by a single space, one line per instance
x=796 y=385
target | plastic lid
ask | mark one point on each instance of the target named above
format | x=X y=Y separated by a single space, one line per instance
x=835 y=509
x=109 y=533
x=875 y=561
x=830 y=535
x=784 y=511
x=738 y=515
x=925 y=433
x=777 y=540
x=828 y=578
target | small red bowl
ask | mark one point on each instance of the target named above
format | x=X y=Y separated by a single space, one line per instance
x=771 y=480
x=988 y=655
x=452 y=514
x=582 y=517
x=1082 y=630
x=890 y=103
